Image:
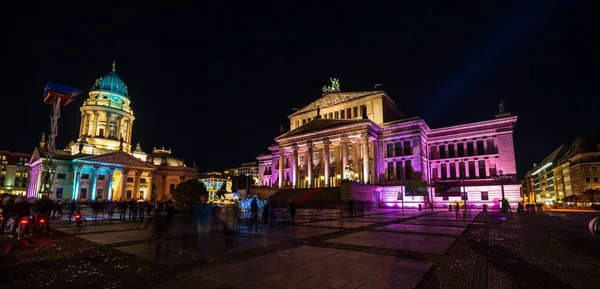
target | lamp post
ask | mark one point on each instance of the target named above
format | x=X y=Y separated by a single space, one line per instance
x=502 y=178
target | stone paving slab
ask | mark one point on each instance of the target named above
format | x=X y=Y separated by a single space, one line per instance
x=340 y=224
x=315 y=267
x=451 y=223
x=295 y=232
x=455 y=231
x=116 y=237
x=398 y=241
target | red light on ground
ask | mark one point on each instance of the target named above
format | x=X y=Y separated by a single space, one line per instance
x=24 y=222
x=41 y=221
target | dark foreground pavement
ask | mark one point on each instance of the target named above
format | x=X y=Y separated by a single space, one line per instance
x=389 y=249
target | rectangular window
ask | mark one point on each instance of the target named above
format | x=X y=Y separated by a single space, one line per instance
x=355 y=111
x=444 y=172
x=587 y=179
x=491 y=149
x=434 y=174
x=408 y=170
x=350 y=154
x=325 y=116
x=301 y=160
x=586 y=169
x=482 y=174
x=399 y=175
x=85 y=176
x=331 y=157
x=331 y=115
x=480 y=149
x=337 y=115
x=407 y=148
x=61 y=176
x=470 y=149
x=595 y=179
x=129 y=192
x=303 y=121
x=442 y=149
x=484 y=196
x=493 y=172
x=472 y=170
x=316 y=158
x=594 y=169
x=461 y=149
x=390 y=150
x=99 y=193
x=83 y=193
x=348 y=113
x=342 y=114
x=453 y=171
x=398 y=148
x=451 y=151
x=297 y=124
x=101 y=177
x=308 y=119
x=59 y=193
x=129 y=179
x=445 y=198
x=142 y=181
x=390 y=171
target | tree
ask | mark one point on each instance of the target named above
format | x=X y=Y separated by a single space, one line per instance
x=189 y=191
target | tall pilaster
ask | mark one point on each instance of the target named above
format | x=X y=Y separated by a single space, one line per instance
x=309 y=162
x=295 y=166
x=109 y=192
x=129 y=131
x=136 y=190
x=281 y=168
x=94 y=184
x=326 y=144
x=148 y=193
x=124 y=173
x=345 y=156
x=76 y=180
x=366 y=159
x=95 y=132
x=119 y=130
x=82 y=124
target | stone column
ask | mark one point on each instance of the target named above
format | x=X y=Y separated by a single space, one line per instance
x=119 y=131
x=345 y=157
x=165 y=189
x=309 y=164
x=295 y=166
x=94 y=183
x=76 y=180
x=326 y=144
x=109 y=193
x=129 y=131
x=95 y=132
x=136 y=188
x=366 y=158
x=148 y=194
x=124 y=173
x=281 y=167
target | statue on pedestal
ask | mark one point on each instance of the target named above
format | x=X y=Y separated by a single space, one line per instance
x=501 y=106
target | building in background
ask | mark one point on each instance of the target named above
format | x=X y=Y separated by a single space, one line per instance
x=364 y=137
x=571 y=169
x=14 y=173
x=101 y=165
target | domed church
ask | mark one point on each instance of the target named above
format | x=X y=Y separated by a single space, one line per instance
x=102 y=164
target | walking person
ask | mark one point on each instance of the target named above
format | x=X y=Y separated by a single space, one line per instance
x=266 y=212
x=132 y=210
x=254 y=214
x=142 y=208
x=292 y=209
x=350 y=208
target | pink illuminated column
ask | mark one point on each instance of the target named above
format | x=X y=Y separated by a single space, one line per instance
x=345 y=156
x=309 y=165
x=281 y=168
x=295 y=166
x=326 y=144
x=366 y=158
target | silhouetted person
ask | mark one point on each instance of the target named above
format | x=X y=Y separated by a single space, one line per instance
x=350 y=208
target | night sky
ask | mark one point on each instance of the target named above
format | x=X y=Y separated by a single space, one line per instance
x=214 y=83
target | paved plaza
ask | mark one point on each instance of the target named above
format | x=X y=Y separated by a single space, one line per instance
x=386 y=249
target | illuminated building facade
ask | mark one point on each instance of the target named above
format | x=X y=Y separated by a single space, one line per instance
x=14 y=172
x=571 y=169
x=364 y=137
x=101 y=164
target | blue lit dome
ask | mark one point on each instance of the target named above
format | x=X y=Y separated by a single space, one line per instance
x=111 y=83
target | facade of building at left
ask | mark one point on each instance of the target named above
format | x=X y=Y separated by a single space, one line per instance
x=102 y=165
x=14 y=173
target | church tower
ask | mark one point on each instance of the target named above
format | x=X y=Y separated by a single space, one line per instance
x=106 y=117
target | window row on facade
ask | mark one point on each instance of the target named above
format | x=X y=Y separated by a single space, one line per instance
x=346 y=113
x=481 y=169
x=463 y=149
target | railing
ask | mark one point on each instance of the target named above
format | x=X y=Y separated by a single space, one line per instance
x=110 y=104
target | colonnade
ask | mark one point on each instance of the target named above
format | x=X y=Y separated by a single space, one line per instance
x=90 y=121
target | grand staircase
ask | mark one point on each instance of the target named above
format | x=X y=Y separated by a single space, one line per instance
x=308 y=198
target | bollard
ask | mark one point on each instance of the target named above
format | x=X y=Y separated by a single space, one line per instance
x=420 y=208
x=485 y=208
x=450 y=208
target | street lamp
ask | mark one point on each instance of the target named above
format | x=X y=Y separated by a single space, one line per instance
x=502 y=179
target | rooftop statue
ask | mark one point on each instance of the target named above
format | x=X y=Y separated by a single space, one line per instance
x=334 y=87
x=501 y=106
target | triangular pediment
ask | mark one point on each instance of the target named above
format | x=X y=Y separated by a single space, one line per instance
x=334 y=98
x=117 y=159
x=323 y=124
x=34 y=156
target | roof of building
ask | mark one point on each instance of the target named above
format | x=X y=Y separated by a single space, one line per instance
x=111 y=83
x=163 y=157
x=333 y=98
x=321 y=124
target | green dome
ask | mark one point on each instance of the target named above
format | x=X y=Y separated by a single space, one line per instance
x=111 y=83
